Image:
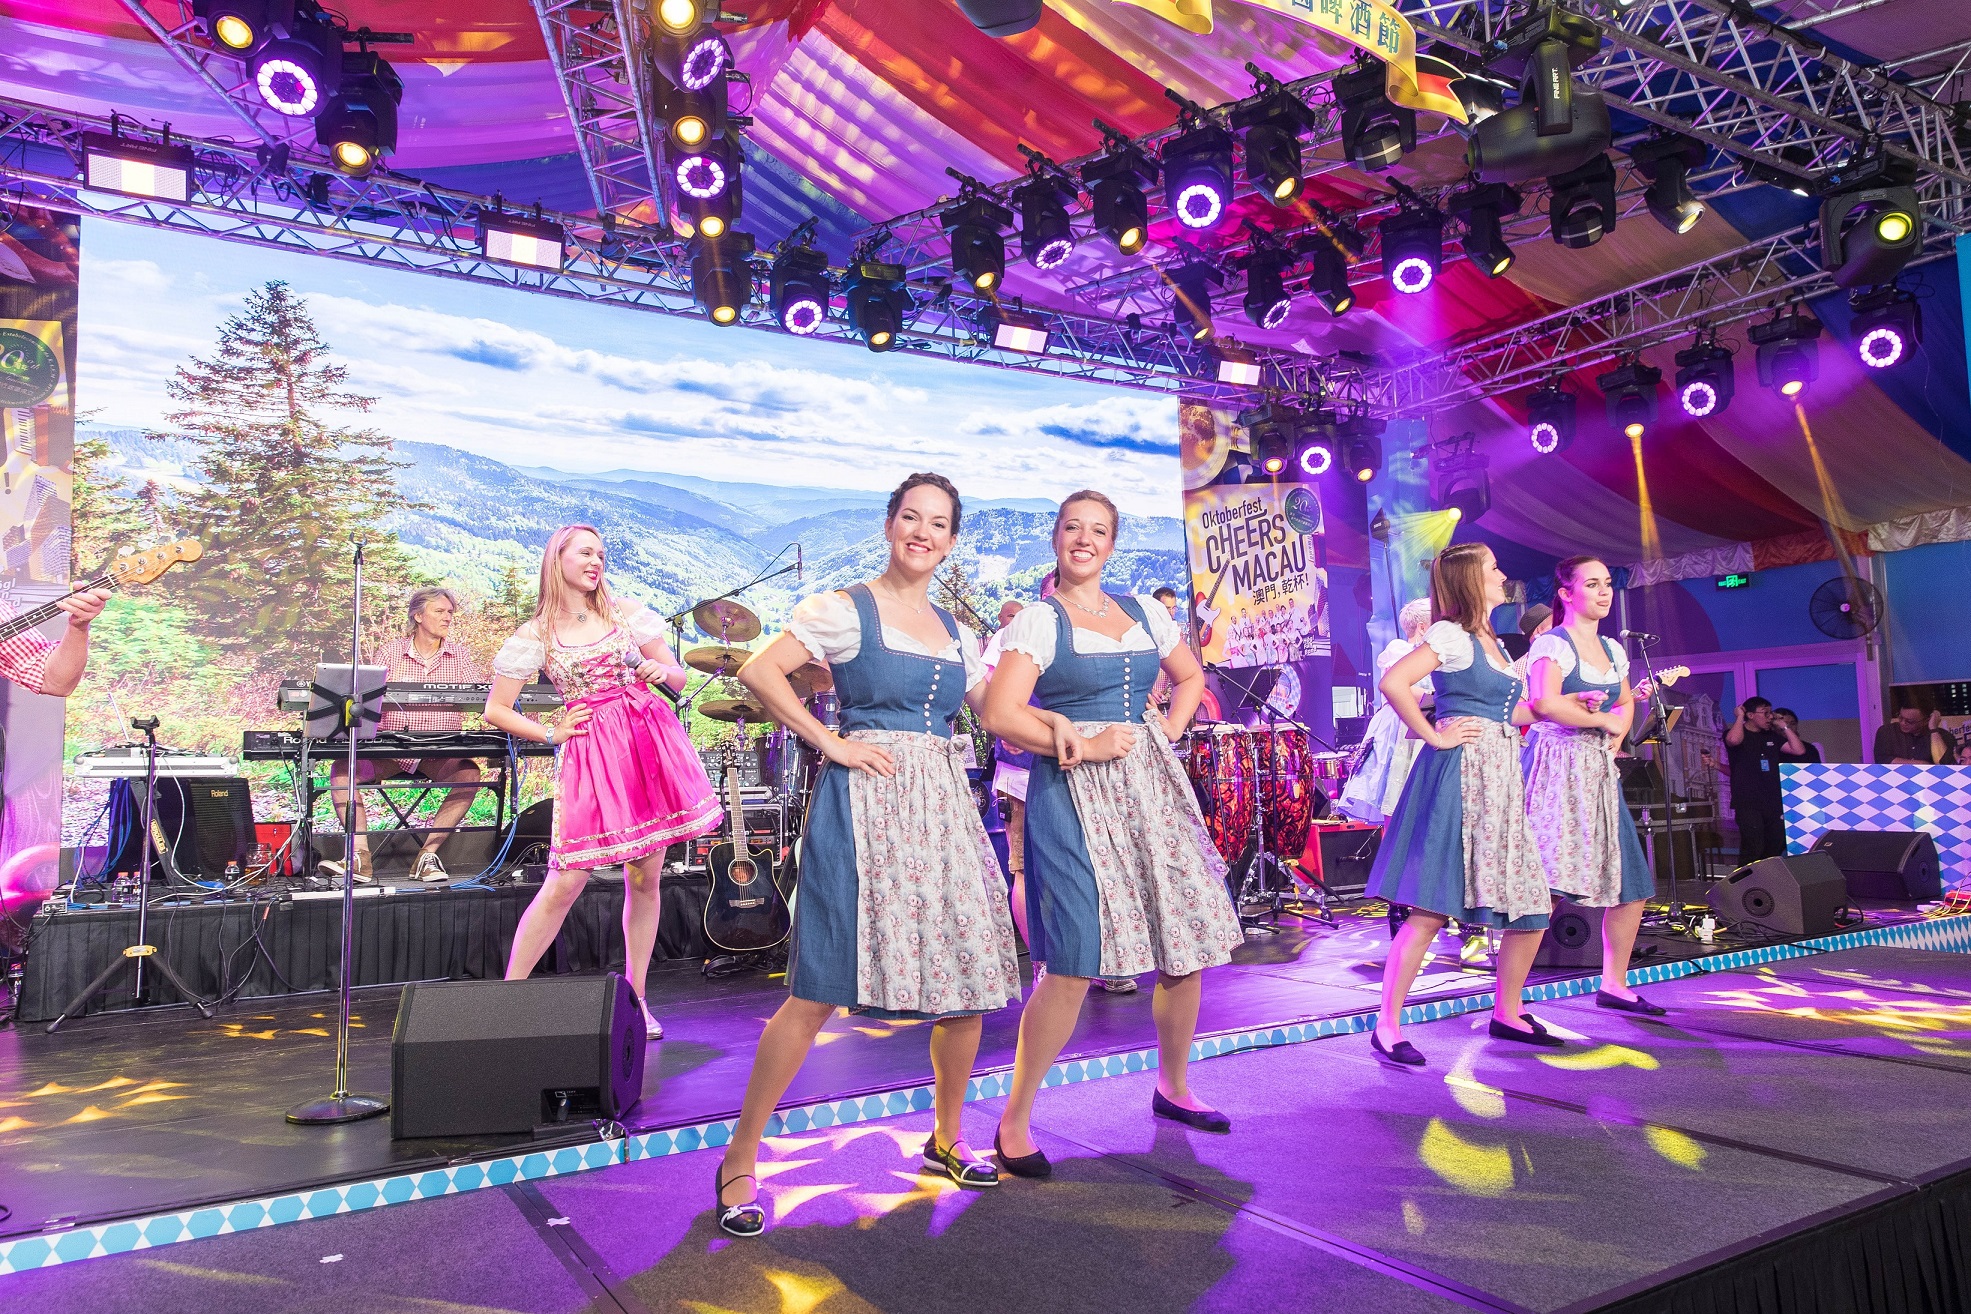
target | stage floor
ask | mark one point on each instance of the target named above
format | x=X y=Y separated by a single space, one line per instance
x=1497 y=1178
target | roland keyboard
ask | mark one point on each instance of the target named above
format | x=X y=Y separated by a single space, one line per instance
x=404 y=696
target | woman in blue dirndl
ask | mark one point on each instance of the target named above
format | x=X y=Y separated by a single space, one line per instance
x=1121 y=877
x=1458 y=843
x=1588 y=842
x=902 y=910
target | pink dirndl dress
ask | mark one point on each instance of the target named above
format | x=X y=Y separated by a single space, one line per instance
x=633 y=784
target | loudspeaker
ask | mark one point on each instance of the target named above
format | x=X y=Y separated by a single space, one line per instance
x=1885 y=864
x=1340 y=857
x=202 y=823
x=1573 y=937
x=1798 y=894
x=476 y=1058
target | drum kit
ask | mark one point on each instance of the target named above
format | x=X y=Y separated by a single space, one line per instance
x=777 y=761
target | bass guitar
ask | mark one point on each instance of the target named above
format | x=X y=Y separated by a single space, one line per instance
x=744 y=911
x=139 y=566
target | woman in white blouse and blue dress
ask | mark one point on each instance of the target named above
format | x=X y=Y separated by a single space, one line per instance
x=1458 y=844
x=1121 y=876
x=1588 y=844
x=902 y=910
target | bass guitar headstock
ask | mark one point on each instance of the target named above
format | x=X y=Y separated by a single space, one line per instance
x=142 y=565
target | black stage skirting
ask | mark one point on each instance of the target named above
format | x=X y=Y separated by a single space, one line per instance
x=418 y=936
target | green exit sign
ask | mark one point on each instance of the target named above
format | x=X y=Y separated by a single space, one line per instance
x=1734 y=581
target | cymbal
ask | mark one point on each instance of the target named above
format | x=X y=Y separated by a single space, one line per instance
x=734 y=709
x=811 y=679
x=717 y=659
x=726 y=620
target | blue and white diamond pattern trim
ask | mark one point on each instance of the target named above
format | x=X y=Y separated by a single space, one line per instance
x=1949 y=934
x=1855 y=796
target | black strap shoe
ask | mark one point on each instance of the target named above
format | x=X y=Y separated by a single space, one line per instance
x=1401 y=1052
x=1210 y=1120
x=742 y=1220
x=971 y=1170
x=1638 y=1005
x=1544 y=1039
x=1033 y=1165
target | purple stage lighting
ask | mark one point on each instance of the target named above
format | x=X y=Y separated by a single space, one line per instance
x=1699 y=398
x=703 y=63
x=701 y=177
x=1881 y=348
x=803 y=317
x=289 y=87
x=1412 y=274
x=1316 y=459
x=1199 y=205
x=1546 y=437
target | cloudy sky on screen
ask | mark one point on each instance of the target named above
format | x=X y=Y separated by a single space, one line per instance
x=542 y=381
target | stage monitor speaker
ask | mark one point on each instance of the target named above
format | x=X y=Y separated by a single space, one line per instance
x=477 y=1058
x=1340 y=857
x=1885 y=864
x=1799 y=894
x=1573 y=937
x=203 y=822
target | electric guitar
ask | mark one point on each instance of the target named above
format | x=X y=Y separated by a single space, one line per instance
x=1202 y=610
x=129 y=567
x=744 y=910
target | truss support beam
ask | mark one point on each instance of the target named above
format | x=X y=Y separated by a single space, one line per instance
x=596 y=53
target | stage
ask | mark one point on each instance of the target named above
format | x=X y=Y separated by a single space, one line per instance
x=1798 y=1097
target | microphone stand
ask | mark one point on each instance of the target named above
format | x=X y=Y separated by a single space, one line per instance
x=1263 y=857
x=1656 y=734
x=339 y=1105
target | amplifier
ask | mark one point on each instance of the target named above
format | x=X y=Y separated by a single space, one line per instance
x=203 y=825
x=1339 y=857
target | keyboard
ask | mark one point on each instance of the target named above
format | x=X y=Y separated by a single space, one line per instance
x=285 y=746
x=400 y=696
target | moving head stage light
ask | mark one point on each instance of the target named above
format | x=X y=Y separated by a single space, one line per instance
x=1706 y=377
x=1558 y=125
x=978 y=244
x=1872 y=224
x=1115 y=182
x=1551 y=414
x=1788 y=352
x=1630 y=392
x=1887 y=326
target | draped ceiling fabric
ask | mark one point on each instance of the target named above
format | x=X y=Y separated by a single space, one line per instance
x=859 y=106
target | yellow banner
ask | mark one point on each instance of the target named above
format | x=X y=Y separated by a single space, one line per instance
x=1369 y=25
x=1259 y=593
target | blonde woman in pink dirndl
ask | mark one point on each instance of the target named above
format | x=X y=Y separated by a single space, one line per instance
x=627 y=781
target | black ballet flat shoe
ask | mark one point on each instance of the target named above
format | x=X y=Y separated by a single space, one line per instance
x=1539 y=1028
x=1638 y=1005
x=1402 y=1052
x=976 y=1172
x=741 y=1220
x=1210 y=1120
x=1544 y=1039
x=1033 y=1165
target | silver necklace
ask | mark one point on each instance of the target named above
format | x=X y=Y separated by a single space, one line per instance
x=1096 y=614
x=924 y=610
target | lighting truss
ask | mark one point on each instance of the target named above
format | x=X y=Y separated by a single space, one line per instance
x=598 y=52
x=224 y=74
x=1723 y=289
x=389 y=221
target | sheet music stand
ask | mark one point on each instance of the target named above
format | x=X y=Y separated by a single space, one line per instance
x=334 y=701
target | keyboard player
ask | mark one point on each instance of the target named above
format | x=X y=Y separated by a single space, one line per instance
x=425 y=653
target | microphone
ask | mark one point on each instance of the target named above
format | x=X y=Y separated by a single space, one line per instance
x=1643 y=635
x=799 y=577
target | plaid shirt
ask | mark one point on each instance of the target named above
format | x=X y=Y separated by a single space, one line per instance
x=24 y=658
x=452 y=665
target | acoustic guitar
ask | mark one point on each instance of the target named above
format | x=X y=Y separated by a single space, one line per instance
x=744 y=910
x=138 y=566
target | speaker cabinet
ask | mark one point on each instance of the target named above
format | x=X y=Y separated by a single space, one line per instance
x=1799 y=894
x=1573 y=937
x=203 y=822
x=1885 y=864
x=477 y=1058
x=1340 y=857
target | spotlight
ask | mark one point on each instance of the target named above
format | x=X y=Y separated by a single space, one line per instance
x=359 y=125
x=1116 y=182
x=1014 y=330
x=296 y=74
x=1329 y=275
x=710 y=182
x=1046 y=235
x=679 y=18
x=1788 y=352
x=978 y=249
x=1361 y=447
x=1237 y=366
x=1868 y=234
x=799 y=286
x=1460 y=482
x=241 y=25
x=1271 y=439
x=1887 y=326
x=1481 y=96
x=1508 y=147
x=692 y=63
x=702 y=174
x=1483 y=209
x=1544 y=51
x=1273 y=130
x=518 y=240
x=1550 y=418
x=1706 y=378
x=721 y=278
x=160 y=171
x=1374 y=132
x=692 y=117
x=1197 y=175
x=1630 y=393
x=1412 y=248
x=1267 y=299
x=1665 y=160
x=1190 y=306
x=1581 y=209
x=878 y=302
x=1317 y=450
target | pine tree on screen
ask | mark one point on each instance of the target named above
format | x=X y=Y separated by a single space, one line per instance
x=284 y=492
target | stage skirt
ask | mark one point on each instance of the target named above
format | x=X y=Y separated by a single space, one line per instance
x=1588 y=842
x=1122 y=877
x=902 y=907
x=1458 y=842
x=631 y=786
